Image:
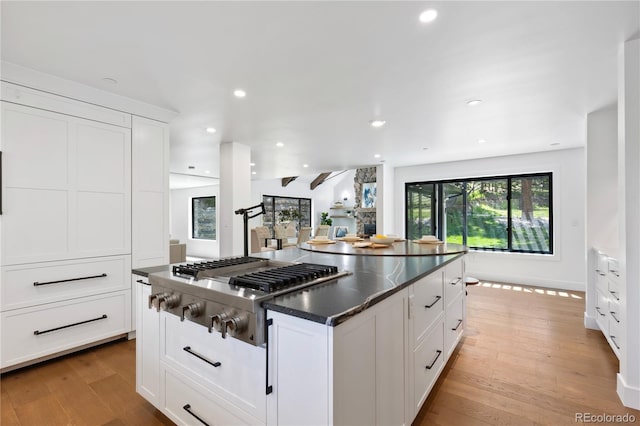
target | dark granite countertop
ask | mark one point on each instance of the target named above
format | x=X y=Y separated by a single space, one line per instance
x=372 y=279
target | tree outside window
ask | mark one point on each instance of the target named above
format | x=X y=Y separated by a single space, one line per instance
x=506 y=213
x=203 y=218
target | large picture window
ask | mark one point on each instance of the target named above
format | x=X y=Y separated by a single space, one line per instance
x=505 y=213
x=203 y=218
x=278 y=209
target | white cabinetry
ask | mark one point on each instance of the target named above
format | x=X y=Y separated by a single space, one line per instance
x=150 y=187
x=147 y=343
x=608 y=303
x=66 y=224
x=376 y=368
x=66 y=187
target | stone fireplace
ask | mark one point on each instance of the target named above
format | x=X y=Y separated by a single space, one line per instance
x=363 y=215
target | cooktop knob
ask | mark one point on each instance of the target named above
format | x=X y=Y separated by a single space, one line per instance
x=192 y=310
x=170 y=301
x=154 y=299
x=217 y=322
x=235 y=326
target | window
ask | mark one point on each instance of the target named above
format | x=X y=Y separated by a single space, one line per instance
x=203 y=218
x=279 y=209
x=506 y=213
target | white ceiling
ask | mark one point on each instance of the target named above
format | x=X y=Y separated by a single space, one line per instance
x=316 y=73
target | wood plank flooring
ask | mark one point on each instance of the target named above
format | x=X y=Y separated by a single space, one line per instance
x=526 y=359
x=92 y=387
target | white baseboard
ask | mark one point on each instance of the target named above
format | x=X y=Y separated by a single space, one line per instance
x=590 y=322
x=629 y=395
x=525 y=280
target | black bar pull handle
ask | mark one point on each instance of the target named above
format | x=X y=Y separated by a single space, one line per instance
x=202 y=357
x=36 y=284
x=613 y=315
x=434 y=302
x=457 y=326
x=268 y=323
x=456 y=281
x=142 y=282
x=187 y=408
x=614 y=294
x=38 y=332
x=430 y=366
x=613 y=339
x=598 y=309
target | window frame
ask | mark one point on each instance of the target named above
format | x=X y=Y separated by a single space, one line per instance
x=193 y=218
x=439 y=209
x=272 y=210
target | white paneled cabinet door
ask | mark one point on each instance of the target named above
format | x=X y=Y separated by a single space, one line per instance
x=150 y=192
x=147 y=343
x=66 y=187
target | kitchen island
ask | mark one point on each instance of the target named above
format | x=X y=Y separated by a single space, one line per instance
x=363 y=349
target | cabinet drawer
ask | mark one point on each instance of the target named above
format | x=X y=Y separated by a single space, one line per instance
x=615 y=337
x=35 y=284
x=453 y=324
x=426 y=303
x=613 y=269
x=31 y=333
x=602 y=263
x=453 y=281
x=602 y=311
x=187 y=403
x=428 y=359
x=228 y=367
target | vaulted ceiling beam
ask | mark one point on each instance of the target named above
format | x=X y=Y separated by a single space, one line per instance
x=287 y=180
x=317 y=181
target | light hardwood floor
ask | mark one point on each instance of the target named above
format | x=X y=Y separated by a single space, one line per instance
x=525 y=359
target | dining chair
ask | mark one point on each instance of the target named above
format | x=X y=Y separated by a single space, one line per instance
x=322 y=230
x=281 y=234
x=263 y=235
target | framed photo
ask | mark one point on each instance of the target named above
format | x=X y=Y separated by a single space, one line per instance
x=369 y=195
x=340 y=231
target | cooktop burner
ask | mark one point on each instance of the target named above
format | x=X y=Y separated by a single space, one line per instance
x=193 y=269
x=283 y=277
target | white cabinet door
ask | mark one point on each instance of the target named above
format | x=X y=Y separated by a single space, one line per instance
x=147 y=343
x=150 y=196
x=66 y=187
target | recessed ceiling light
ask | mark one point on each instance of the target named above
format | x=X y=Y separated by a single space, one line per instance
x=377 y=123
x=279 y=144
x=192 y=167
x=210 y=130
x=555 y=144
x=305 y=165
x=252 y=164
x=376 y=155
x=207 y=171
x=428 y=15
x=110 y=80
x=474 y=102
x=239 y=93
x=481 y=140
x=253 y=173
x=424 y=148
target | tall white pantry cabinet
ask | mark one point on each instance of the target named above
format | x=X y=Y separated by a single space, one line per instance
x=84 y=198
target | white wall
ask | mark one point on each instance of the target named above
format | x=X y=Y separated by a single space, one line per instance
x=564 y=269
x=180 y=220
